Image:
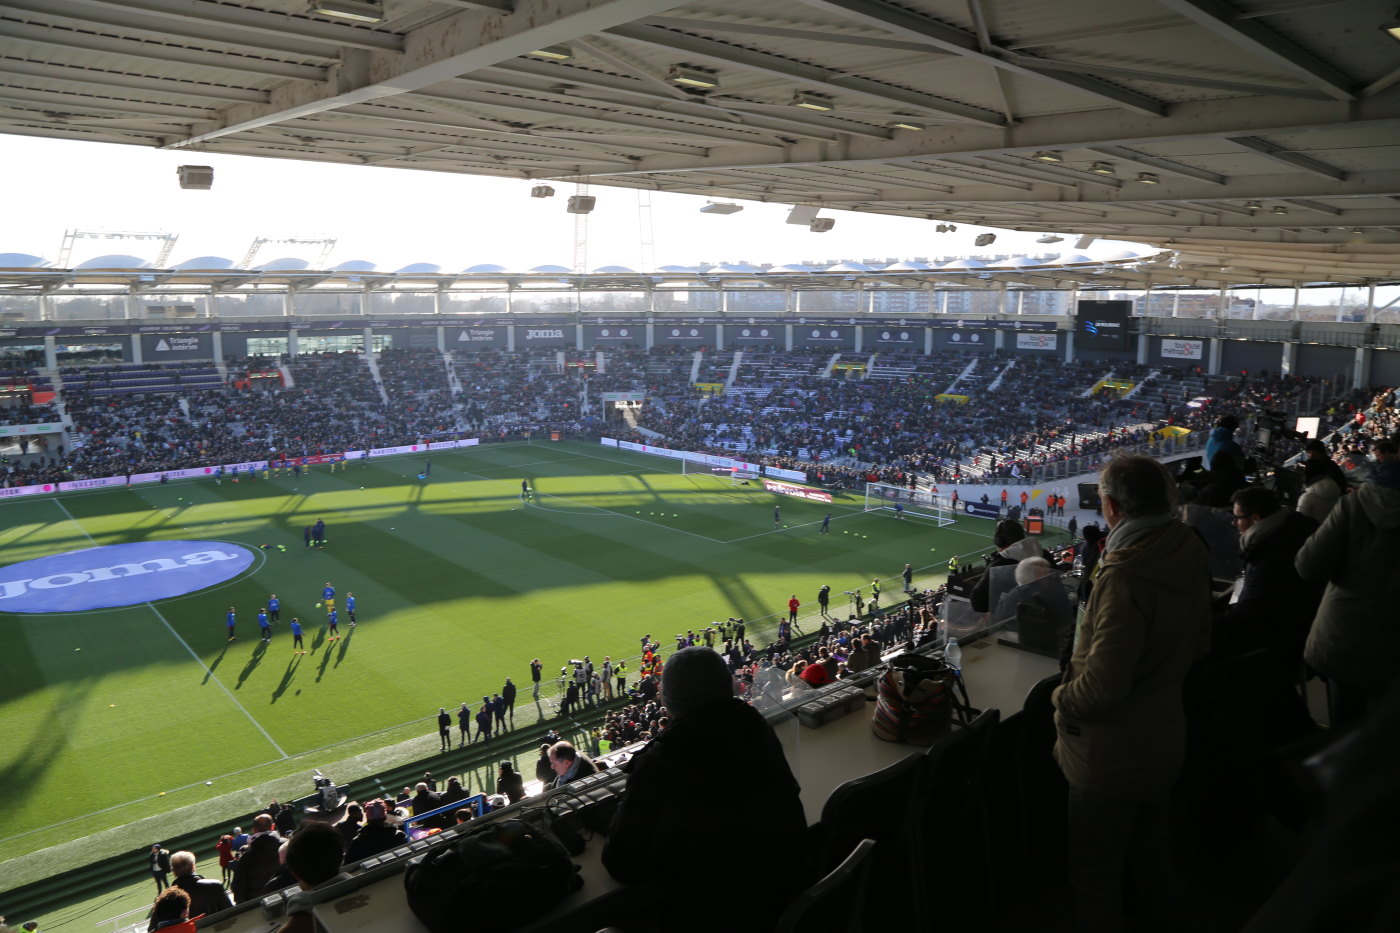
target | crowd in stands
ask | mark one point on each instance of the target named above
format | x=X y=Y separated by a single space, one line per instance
x=1011 y=414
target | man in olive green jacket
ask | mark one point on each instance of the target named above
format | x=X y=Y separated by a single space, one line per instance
x=1119 y=715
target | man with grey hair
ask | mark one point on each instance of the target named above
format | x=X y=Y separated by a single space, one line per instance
x=1118 y=712
x=207 y=896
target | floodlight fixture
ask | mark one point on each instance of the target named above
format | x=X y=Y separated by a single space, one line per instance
x=822 y=224
x=985 y=239
x=903 y=124
x=555 y=53
x=689 y=76
x=946 y=228
x=358 y=11
x=582 y=204
x=1147 y=178
x=802 y=214
x=1050 y=238
x=1391 y=26
x=1102 y=168
x=1085 y=241
x=809 y=101
x=1280 y=209
x=1049 y=155
x=197 y=177
x=1253 y=206
x=721 y=207
x=542 y=191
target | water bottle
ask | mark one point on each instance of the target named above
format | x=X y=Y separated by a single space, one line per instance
x=952 y=654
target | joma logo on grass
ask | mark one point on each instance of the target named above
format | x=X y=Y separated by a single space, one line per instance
x=12 y=588
x=118 y=575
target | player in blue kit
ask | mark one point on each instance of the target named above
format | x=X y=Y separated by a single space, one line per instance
x=328 y=597
x=350 y=607
x=231 y=622
x=274 y=608
x=296 y=636
x=264 y=626
x=332 y=621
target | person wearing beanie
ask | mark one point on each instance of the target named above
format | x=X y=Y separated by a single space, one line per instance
x=1012 y=547
x=662 y=833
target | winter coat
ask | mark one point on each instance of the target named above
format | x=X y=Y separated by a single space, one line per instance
x=1275 y=606
x=1356 y=635
x=1119 y=713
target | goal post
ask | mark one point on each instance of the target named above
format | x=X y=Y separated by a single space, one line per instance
x=921 y=503
x=734 y=476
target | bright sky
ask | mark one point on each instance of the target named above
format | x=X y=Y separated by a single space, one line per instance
x=393 y=217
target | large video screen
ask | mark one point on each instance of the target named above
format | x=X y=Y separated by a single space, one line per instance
x=1103 y=325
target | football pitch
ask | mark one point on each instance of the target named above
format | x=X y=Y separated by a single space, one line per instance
x=116 y=714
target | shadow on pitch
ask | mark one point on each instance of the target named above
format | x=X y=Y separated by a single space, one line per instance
x=287 y=677
x=258 y=653
x=217 y=661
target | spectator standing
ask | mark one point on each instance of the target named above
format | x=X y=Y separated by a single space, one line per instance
x=258 y=860
x=1119 y=716
x=508 y=695
x=379 y=834
x=225 y=849
x=1355 y=641
x=510 y=783
x=159 y=862
x=536 y=668
x=464 y=725
x=444 y=723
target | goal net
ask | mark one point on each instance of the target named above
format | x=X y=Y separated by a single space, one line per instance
x=915 y=502
x=732 y=476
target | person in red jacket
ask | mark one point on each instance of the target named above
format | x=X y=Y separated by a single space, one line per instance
x=792 y=608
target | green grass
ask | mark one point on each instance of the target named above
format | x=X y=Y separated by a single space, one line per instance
x=117 y=715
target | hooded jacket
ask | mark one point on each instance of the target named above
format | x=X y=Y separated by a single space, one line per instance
x=1119 y=714
x=1356 y=635
x=1275 y=606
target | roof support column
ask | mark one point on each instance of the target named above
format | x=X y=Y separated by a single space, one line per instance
x=1361 y=371
x=1290 y=355
x=50 y=350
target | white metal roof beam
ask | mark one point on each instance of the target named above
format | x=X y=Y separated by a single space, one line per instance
x=458 y=44
x=1189 y=120
x=259 y=21
x=788 y=32
x=109 y=79
x=156 y=52
x=106 y=103
x=717 y=109
x=218 y=35
x=588 y=110
x=912 y=25
x=1162 y=165
x=1132 y=74
x=1315 y=206
x=1226 y=22
x=1279 y=154
x=817 y=76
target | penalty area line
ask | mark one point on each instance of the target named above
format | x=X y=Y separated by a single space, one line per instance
x=198 y=660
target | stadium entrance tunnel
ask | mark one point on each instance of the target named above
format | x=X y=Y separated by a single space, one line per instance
x=119 y=575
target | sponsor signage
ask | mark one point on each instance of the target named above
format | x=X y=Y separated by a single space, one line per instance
x=1182 y=349
x=823 y=335
x=898 y=336
x=542 y=335
x=982 y=509
x=12 y=492
x=623 y=396
x=754 y=333
x=1036 y=341
x=119 y=575
x=467 y=336
x=1102 y=325
x=15 y=430
x=614 y=334
x=975 y=339
x=801 y=492
x=696 y=334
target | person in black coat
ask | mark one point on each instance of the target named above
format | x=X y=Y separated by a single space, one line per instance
x=1012 y=547
x=377 y=835
x=159 y=860
x=1274 y=606
x=257 y=861
x=207 y=896
x=657 y=837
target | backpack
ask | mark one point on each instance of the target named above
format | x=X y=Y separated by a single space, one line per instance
x=492 y=879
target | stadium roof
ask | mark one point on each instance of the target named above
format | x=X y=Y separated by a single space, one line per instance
x=1231 y=130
